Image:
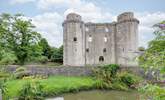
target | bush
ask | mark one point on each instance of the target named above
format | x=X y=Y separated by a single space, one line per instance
x=106 y=74
x=8 y=58
x=128 y=78
x=152 y=92
x=31 y=91
x=117 y=85
x=4 y=75
x=57 y=55
x=21 y=72
x=43 y=59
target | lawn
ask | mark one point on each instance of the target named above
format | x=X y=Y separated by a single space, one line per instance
x=54 y=85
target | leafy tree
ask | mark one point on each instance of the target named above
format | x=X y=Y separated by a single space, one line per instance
x=154 y=56
x=57 y=55
x=18 y=35
x=153 y=60
x=45 y=48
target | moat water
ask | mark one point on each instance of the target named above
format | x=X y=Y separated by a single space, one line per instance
x=100 y=95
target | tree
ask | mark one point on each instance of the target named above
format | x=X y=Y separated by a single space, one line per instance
x=154 y=55
x=18 y=35
x=57 y=55
x=153 y=60
x=46 y=49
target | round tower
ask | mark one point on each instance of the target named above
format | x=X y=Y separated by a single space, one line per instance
x=127 y=39
x=73 y=40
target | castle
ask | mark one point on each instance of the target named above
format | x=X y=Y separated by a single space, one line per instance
x=100 y=43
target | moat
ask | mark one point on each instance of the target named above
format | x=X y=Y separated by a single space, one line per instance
x=100 y=95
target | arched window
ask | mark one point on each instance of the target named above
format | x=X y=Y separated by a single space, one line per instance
x=101 y=59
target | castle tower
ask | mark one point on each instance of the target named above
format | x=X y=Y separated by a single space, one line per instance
x=126 y=39
x=73 y=39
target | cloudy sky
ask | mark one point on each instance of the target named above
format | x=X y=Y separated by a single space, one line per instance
x=48 y=15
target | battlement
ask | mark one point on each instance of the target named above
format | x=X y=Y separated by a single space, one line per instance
x=73 y=17
x=126 y=16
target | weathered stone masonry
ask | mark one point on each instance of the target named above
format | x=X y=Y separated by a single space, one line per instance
x=100 y=43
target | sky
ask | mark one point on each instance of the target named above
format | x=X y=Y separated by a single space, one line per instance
x=48 y=15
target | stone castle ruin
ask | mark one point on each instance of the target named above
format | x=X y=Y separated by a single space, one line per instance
x=100 y=43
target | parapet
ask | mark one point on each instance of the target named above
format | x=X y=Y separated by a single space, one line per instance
x=73 y=17
x=126 y=16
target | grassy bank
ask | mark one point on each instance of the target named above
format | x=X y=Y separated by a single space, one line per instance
x=53 y=85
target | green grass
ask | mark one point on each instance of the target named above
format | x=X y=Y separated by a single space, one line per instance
x=54 y=85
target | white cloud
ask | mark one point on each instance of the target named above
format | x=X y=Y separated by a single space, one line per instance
x=50 y=27
x=91 y=13
x=49 y=4
x=20 y=1
x=147 y=20
x=49 y=24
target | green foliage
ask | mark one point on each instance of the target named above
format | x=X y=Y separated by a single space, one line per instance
x=153 y=60
x=17 y=35
x=154 y=56
x=106 y=74
x=20 y=69
x=3 y=89
x=21 y=72
x=7 y=57
x=46 y=49
x=141 y=49
x=118 y=85
x=129 y=79
x=57 y=54
x=43 y=59
x=31 y=91
x=52 y=86
x=153 y=92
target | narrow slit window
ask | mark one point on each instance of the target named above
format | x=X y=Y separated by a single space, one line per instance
x=104 y=50
x=87 y=50
x=75 y=39
x=105 y=39
x=90 y=38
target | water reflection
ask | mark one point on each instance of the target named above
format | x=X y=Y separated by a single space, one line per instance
x=101 y=95
x=57 y=98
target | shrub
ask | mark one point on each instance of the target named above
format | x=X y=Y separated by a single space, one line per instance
x=105 y=74
x=152 y=92
x=20 y=69
x=31 y=91
x=43 y=59
x=128 y=78
x=8 y=58
x=4 y=75
x=117 y=85
x=21 y=72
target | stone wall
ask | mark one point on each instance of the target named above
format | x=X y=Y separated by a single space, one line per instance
x=60 y=70
x=68 y=71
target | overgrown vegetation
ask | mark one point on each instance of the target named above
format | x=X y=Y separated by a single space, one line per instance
x=112 y=78
x=153 y=61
